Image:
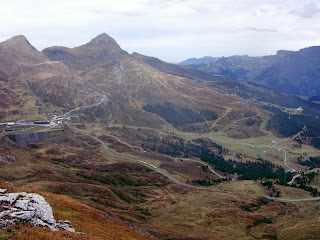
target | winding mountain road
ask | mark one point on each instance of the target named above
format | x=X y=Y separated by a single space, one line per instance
x=294 y=178
x=285 y=161
x=187 y=185
x=90 y=135
x=285 y=156
x=87 y=106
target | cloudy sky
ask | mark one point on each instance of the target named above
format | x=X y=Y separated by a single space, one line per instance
x=172 y=30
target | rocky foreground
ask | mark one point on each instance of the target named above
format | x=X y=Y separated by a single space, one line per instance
x=29 y=208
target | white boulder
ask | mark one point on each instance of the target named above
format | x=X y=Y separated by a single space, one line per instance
x=31 y=208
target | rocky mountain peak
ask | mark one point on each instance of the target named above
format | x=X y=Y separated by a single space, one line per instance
x=19 y=38
x=21 y=51
x=18 y=42
x=103 y=41
x=99 y=50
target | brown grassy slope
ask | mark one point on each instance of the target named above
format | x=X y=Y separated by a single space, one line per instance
x=86 y=73
x=68 y=163
x=29 y=74
x=82 y=75
x=15 y=53
x=133 y=193
x=91 y=221
x=26 y=232
x=183 y=214
x=130 y=83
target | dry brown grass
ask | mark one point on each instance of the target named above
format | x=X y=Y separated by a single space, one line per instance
x=181 y=214
x=25 y=232
x=84 y=218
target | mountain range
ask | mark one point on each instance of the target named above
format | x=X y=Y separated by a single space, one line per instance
x=205 y=60
x=291 y=72
x=197 y=61
x=69 y=78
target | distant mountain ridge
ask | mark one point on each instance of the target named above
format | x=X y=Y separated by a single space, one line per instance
x=197 y=61
x=178 y=70
x=205 y=60
x=291 y=72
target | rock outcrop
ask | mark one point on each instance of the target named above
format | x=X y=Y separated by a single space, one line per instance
x=29 y=208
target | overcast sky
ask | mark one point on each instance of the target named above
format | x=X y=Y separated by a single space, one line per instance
x=172 y=30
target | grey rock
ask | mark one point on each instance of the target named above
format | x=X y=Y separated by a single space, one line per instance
x=11 y=158
x=23 y=215
x=31 y=208
x=5 y=223
x=65 y=226
x=3 y=191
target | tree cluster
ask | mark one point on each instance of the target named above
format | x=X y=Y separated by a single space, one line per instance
x=209 y=182
x=177 y=147
x=261 y=169
x=287 y=125
x=178 y=115
x=312 y=162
